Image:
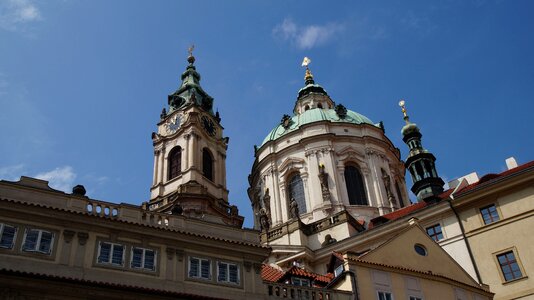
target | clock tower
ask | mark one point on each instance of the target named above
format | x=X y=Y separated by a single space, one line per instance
x=190 y=156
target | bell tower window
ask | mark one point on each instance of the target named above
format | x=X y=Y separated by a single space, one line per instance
x=207 y=164
x=175 y=162
x=355 y=189
x=296 y=191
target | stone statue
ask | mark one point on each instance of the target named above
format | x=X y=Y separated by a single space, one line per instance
x=293 y=209
x=323 y=178
x=267 y=201
x=264 y=220
x=387 y=184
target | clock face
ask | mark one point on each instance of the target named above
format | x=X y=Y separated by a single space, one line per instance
x=173 y=124
x=208 y=125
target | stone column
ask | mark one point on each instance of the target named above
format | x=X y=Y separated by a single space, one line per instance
x=161 y=165
x=155 y=173
x=187 y=151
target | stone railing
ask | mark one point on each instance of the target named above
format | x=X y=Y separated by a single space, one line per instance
x=102 y=209
x=285 y=291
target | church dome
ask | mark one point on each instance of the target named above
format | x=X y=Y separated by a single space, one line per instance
x=312 y=116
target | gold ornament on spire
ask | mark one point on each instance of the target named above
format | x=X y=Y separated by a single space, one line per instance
x=191 y=58
x=305 y=62
x=402 y=104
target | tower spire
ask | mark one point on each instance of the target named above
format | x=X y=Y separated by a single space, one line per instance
x=427 y=185
x=190 y=91
x=308 y=77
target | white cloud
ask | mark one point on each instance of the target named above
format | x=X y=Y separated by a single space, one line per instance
x=60 y=178
x=11 y=173
x=16 y=13
x=306 y=37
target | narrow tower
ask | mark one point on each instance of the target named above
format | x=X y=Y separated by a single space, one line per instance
x=427 y=185
x=190 y=156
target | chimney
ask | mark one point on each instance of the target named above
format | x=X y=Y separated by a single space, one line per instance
x=511 y=163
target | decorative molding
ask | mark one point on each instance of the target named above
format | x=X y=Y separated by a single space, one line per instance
x=82 y=238
x=179 y=254
x=247 y=265
x=170 y=252
x=68 y=235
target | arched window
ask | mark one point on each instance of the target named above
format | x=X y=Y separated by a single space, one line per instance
x=175 y=162
x=207 y=164
x=296 y=191
x=319 y=105
x=355 y=189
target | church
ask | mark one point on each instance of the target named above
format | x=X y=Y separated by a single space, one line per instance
x=332 y=218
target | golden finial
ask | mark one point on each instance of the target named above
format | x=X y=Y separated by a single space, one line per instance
x=305 y=63
x=402 y=104
x=191 y=58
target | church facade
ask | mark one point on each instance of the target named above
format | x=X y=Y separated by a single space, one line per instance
x=332 y=218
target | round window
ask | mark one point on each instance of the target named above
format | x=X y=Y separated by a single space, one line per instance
x=420 y=249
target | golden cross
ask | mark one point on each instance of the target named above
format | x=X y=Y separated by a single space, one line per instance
x=190 y=49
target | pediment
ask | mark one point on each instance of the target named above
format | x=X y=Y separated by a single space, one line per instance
x=291 y=163
x=400 y=251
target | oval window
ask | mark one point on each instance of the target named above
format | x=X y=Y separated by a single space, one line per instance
x=420 y=249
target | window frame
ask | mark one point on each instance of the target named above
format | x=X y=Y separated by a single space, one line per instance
x=435 y=235
x=13 y=241
x=109 y=262
x=300 y=280
x=360 y=191
x=227 y=280
x=143 y=259
x=208 y=174
x=491 y=218
x=37 y=246
x=290 y=189
x=512 y=250
x=199 y=276
x=178 y=161
x=378 y=292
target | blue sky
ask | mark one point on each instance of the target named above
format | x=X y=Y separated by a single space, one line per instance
x=82 y=83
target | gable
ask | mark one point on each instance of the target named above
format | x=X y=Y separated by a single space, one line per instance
x=400 y=252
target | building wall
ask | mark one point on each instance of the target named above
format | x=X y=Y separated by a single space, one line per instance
x=515 y=207
x=78 y=234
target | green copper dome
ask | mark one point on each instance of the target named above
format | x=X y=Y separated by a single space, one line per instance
x=316 y=115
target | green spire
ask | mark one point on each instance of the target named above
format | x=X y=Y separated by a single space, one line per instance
x=190 y=91
x=427 y=185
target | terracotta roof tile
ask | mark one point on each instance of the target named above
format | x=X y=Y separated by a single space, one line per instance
x=271 y=274
x=490 y=178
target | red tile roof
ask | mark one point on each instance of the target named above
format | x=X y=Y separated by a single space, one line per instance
x=486 y=179
x=491 y=178
x=271 y=274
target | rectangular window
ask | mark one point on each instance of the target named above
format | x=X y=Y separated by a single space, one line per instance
x=227 y=272
x=434 y=232
x=489 y=214
x=199 y=268
x=300 y=281
x=415 y=298
x=509 y=267
x=143 y=259
x=339 y=270
x=7 y=236
x=384 y=296
x=37 y=240
x=110 y=253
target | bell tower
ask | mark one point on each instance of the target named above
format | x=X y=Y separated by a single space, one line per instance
x=427 y=185
x=190 y=156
